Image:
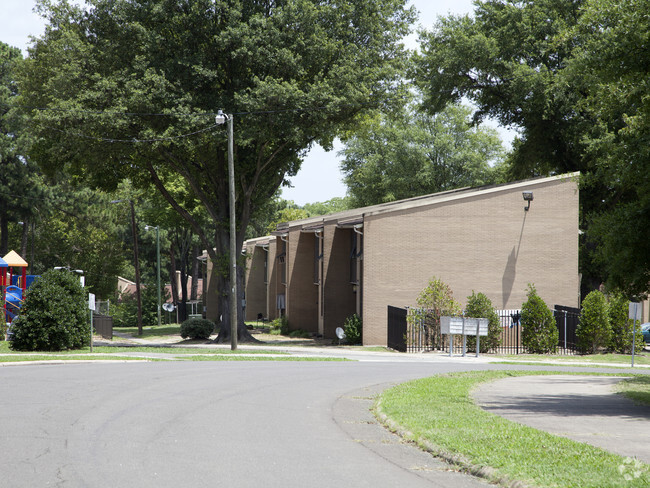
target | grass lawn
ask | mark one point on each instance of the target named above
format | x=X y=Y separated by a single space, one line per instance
x=152 y=331
x=642 y=358
x=440 y=416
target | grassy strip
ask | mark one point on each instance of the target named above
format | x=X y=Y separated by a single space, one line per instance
x=32 y=358
x=152 y=331
x=256 y=358
x=622 y=359
x=184 y=350
x=440 y=416
x=564 y=365
x=6 y=350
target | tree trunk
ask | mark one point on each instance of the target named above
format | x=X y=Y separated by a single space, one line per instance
x=196 y=268
x=172 y=277
x=136 y=260
x=23 y=239
x=243 y=335
x=4 y=234
x=183 y=309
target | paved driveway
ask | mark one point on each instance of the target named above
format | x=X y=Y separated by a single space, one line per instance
x=583 y=408
x=195 y=424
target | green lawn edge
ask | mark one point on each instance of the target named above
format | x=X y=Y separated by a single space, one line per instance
x=439 y=415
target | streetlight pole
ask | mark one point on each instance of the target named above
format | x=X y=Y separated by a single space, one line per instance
x=220 y=119
x=147 y=227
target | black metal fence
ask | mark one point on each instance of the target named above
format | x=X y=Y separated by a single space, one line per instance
x=413 y=330
x=397 y=328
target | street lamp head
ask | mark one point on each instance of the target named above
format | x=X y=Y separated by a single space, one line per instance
x=220 y=118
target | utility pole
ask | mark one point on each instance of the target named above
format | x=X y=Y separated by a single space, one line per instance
x=220 y=119
x=137 y=266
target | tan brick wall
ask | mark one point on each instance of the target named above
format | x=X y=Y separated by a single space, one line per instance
x=256 y=293
x=273 y=285
x=302 y=294
x=340 y=299
x=486 y=243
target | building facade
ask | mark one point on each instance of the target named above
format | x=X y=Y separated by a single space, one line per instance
x=321 y=270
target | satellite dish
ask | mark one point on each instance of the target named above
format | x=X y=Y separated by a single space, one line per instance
x=340 y=333
x=168 y=307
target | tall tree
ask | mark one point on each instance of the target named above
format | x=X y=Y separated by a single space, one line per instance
x=80 y=229
x=20 y=188
x=612 y=61
x=506 y=59
x=410 y=153
x=511 y=60
x=131 y=88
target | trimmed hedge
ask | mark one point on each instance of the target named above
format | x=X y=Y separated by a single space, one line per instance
x=539 y=333
x=480 y=306
x=594 y=331
x=196 y=328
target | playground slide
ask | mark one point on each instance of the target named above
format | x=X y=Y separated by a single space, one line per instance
x=13 y=300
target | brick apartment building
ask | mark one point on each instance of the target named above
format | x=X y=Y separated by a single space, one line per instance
x=320 y=270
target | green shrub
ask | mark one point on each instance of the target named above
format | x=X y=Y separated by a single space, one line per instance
x=300 y=333
x=54 y=316
x=353 y=328
x=621 y=325
x=196 y=328
x=480 y=306
x=539 y=334
x=279 y=326
x=435 y=301
x=125 y=309
x=594 y=331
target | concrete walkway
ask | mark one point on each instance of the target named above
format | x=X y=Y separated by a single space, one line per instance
x=582 y=408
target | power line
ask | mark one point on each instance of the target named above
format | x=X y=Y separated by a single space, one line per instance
x=133 y=139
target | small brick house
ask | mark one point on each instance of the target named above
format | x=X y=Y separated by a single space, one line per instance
x=320 y=270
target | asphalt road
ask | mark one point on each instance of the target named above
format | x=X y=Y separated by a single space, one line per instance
x=195 y=424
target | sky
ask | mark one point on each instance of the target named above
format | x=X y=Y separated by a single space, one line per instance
x=319 y=178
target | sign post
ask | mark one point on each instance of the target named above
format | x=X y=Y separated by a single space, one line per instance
x=464 y=326
x=91 y=307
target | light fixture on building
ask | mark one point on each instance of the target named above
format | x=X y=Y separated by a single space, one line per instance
x=528 y=197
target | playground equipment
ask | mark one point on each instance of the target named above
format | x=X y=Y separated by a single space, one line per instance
x=13 y=302
x=12 y=295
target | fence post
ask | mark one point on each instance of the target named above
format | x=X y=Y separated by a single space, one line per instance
x=518 y=336
x=565 y=313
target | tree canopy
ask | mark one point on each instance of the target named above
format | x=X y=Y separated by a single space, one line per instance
x=408 y=153
x=20 y=187
x=612 y=59
x=572 y=77
x=130 y=88
x=506 y=59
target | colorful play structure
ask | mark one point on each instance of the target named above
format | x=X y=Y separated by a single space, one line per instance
x=13 y=285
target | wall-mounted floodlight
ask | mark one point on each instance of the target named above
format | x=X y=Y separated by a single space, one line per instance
x=528 y=197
